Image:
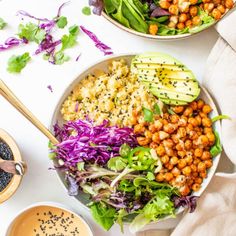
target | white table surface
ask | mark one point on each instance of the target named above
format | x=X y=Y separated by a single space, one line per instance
x=41 y=184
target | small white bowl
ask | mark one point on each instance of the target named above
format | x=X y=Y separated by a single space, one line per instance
x=50 y=204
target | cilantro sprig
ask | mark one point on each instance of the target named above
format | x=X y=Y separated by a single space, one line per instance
x=17 y=63
x=2 y=24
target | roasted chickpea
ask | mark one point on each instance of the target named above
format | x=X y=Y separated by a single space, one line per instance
x=181 y=132
x=152 y=128
x=198 y=152
x=160 y=150
x=165 y=159
x=188 y=159
x=202 y=115
x=174 y=119
x=184 y=190
x=182 y=163
x=158 y=124
x=196 y=187
x=206 y=155
x=133 y=120
x=173 y=9
x=160 y=177
x=208 y=163
x=193 y=11
x=163 y=135
x=203 y=174
x=188 y=23
x=169 y=152
x=180 y=25
x=193 y=121
x=188 y=144
x=216 y=14
x=193 y=105
x=198 y=180
x=180 y=180
x=216 y=2
x=193 y=2
x=153 y=145
x=156 y=137
x=206 y=109
x=170 y=128
x=178 y=109
x=179 y=147
x=168 y=176
x=183 y=17
x=182 y=153
x=175 y=138
x=174 y=19
x=206 y=1
x=148 y=134
x=221 y=8
x=153 y=28
x=189 y=128
x=169 y=166
x=186 y=171
x=175 y=2
x=188 y=111
x=211 y=137
x=206 y=122
x=229 y=3
x=201 y=166
x=164 y=4
x=203 y=140
x=199 y=119
x=175 y=171
x=200 y=104
x=168 y=143
x=207 y=130
x=196 y=20
x=208 y=7
x=143 y=141
x=174 y=160
x=193 y=168
x=196 y=161
x=139 y=129
x=171 y=25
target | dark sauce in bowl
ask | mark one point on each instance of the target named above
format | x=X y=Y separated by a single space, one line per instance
x=6 y=154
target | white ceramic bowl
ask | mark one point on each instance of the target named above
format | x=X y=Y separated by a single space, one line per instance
x=103 y=65
x=51 y=204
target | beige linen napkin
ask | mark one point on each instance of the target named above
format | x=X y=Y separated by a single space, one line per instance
x=216 y=211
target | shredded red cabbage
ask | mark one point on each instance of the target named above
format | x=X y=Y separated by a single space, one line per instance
x=50 y=88
x=12 y=42
x=157 y=12
x=97 y=5
x=78 y=57
x=81 y=140
x=100 y=45
x=187 y=202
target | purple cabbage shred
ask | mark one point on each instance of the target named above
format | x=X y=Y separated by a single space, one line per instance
x=12 y=42
x=98 y=6
x=98 y=44
x=81 y=140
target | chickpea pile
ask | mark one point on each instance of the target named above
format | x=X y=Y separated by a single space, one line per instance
x=184 y=13
x=182 y=141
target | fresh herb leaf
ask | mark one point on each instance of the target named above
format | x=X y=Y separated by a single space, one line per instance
x=150 y=176
x=103 y=214
x=124 y=150
x=117 y=163
x=220 y=117
x=216 y=149
x=86 y=11
x=157 y=109
x=61 y=22
x=17 y=63
x=2 y=24
x=74 y=30
x=60 y=58
x=170 y=111
x=31 y=32
x=80 y=166
x=148 y=115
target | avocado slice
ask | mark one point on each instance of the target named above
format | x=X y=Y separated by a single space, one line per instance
x=167 y=78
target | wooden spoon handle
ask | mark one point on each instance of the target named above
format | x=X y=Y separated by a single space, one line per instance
x=11 y=98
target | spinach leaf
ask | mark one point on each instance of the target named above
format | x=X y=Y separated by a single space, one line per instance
x=119 y=15
x=110 y=7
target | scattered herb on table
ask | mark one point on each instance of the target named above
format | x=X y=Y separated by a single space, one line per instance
x=2 y=24
x=17 y=63
x=86 y=11
x=62 y=22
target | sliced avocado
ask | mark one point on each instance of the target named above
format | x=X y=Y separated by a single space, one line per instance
x=166 y=77
x=174 y=102
x=156 y=58
x=170 y=94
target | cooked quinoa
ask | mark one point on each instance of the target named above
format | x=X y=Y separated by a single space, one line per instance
x=113 y=96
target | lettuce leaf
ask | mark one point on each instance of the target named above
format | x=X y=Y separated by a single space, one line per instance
x=103 y=214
